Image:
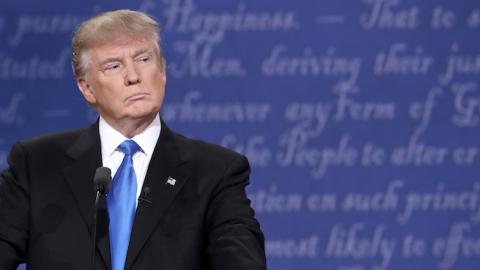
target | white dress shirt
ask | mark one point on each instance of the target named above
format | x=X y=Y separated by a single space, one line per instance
x=112 y=158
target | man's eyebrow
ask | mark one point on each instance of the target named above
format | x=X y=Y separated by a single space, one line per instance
x=119 y=59
x=141 y=51
x=111 y=59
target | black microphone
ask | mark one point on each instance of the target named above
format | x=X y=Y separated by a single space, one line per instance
x=144 y=198
x=102 y=182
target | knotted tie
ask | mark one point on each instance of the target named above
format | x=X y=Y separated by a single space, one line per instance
x=121 y=205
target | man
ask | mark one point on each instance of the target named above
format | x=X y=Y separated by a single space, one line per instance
x=192 y=211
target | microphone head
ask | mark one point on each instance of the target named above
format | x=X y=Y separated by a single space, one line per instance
x=103 y=179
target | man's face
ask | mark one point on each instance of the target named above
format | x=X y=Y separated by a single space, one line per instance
x=124 y=81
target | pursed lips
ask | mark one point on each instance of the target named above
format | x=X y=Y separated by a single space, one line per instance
x=136 y=96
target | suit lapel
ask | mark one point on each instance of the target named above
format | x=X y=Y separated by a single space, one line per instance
x=86 y=158
x=165 y=163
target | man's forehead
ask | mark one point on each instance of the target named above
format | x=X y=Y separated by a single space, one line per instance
x=125 y=47
x=123 y=42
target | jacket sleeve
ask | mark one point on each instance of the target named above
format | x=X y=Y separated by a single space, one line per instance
x=14 y=210
x=235 y=239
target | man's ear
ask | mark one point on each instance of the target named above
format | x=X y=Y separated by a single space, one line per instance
x=164 y=69
x=86 y=90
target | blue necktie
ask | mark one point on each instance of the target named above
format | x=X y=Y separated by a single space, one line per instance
x=121 y=205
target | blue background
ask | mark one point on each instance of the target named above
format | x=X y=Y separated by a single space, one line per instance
x=360 y=118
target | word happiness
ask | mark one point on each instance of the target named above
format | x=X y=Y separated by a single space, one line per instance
x=182 y=16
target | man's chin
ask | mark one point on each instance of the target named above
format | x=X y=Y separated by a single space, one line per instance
x=142 y=115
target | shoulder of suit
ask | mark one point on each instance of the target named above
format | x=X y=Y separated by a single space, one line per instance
x=52 y=141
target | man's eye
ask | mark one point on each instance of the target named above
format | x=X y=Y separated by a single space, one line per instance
x=110 y=67
x=144 y=59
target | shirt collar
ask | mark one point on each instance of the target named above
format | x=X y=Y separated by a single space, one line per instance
x=110 y=138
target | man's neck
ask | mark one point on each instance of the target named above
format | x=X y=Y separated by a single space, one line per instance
x=131 y=127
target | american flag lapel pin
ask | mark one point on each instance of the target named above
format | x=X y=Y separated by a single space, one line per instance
x=171 y=181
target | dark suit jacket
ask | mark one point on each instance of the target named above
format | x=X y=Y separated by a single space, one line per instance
x=204 y=221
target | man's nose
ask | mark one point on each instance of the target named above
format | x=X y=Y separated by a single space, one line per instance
x=132 y=76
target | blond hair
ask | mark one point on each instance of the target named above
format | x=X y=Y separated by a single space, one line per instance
x=108 y=27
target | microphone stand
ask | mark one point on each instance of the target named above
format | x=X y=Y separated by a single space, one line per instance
x=102 y=181
x=93 y=233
